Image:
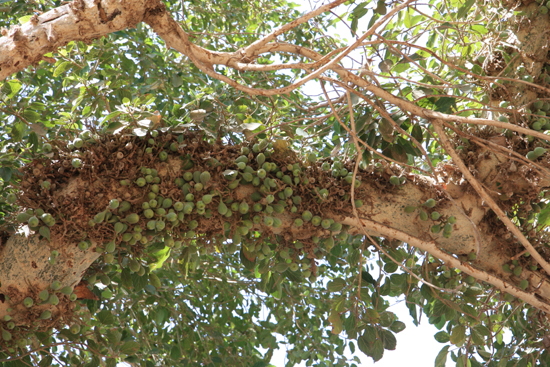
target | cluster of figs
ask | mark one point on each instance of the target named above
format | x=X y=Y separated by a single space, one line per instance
x=176 y=213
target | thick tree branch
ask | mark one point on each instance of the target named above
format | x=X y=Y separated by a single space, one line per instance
x=483 y=194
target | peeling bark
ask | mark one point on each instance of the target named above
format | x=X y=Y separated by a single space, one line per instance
x=80 y=20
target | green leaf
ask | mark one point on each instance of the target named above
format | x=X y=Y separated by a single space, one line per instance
x=398 y=153
x=389 y=340
x=444 y=104
x=60 y=69
x=441 y=358
x=397 y=326
x=544 y=217
x=18 y=131
x=368 y=278
x=458 y=335
x=44 y=232
x=336 y=323
x=11 y=88
x=442 y=337
x=5 y=173
x=160 y=257
x=417 y=133
x=439 y=308
x=464 y=10
x=336 y=285
x=24 y=19
x=30 y=115
x=105 y=317
x=139 y=281
x=46 y=361
x=111 y=116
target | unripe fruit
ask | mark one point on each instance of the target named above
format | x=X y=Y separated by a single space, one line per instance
x=33 y=221
x=134 y=265
x=53 y=300
x=423 y=215
x=6 y=335
x=28 y=302
x=76 y=163
x=410 y=209
x=46 y=315
x=307 y=216
x=124 y=207
x=539 y=151
x=44 y=295
x=56 y=285
x=222 y=208
x=23 y=217
x=316 y=220
x=119 y=227
x=430 y=203
x=243 y=207
x=524 y=284
x=113 y=204
x=394 y=180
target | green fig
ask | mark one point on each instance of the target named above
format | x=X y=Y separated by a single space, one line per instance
x=33 y=221
x=44 y=295
x=124 y=207
x=430 y=203
x=28 y=302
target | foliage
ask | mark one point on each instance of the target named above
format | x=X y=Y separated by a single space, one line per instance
x=188 y=295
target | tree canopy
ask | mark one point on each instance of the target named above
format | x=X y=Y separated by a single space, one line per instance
x=172 y=195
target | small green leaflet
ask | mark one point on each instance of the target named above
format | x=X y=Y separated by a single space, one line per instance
x=442 y=357
x=61 y=68
x=45 y=232
x=464 y=10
